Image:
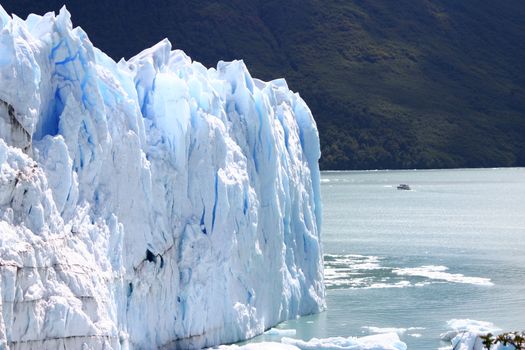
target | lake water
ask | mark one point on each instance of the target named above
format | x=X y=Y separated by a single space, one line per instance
x=451 y=248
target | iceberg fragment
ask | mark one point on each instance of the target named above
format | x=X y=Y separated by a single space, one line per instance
x=151 y=202
x=464 y=334
x=385 y=341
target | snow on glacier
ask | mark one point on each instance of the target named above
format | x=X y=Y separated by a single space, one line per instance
x=151 y=202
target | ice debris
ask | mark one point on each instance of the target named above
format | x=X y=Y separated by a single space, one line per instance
x=151 y=202
x=385 y=341
x=465 y=334
x=281 y=332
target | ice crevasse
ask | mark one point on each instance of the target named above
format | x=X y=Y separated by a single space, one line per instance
x=149 y=203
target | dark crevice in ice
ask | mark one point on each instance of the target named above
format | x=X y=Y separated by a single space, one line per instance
x=150 y=256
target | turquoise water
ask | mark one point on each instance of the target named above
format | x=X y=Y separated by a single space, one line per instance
x=452 y=247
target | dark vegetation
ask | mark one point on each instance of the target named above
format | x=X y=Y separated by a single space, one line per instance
x=392 y=84
x=516 y=339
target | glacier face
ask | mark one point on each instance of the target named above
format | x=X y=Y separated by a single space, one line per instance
x=151 y=202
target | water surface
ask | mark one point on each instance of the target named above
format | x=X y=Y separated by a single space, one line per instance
x=452 y=247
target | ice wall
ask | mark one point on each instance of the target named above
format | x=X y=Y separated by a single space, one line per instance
x=149 y=203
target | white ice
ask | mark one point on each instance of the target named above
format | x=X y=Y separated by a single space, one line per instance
x=464 y=334
x=281 y=332
x=399 y=331
x=152 y=202
x=439 y=273
x=385 y=341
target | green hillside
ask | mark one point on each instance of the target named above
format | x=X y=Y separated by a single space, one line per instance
x=392 y=84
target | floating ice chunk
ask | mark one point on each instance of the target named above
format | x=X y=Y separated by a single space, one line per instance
x=385 y=341
x=281 y=332
x=381 y=330
x=460 y=326
x=259 y=346
x=400 y=284
x=464 y=334
x=473 y=326
x=439 y=273
x=415 y=335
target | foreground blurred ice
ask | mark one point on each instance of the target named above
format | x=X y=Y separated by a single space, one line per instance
x=464 y=334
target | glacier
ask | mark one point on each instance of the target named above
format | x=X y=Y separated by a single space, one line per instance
x=150 y=202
